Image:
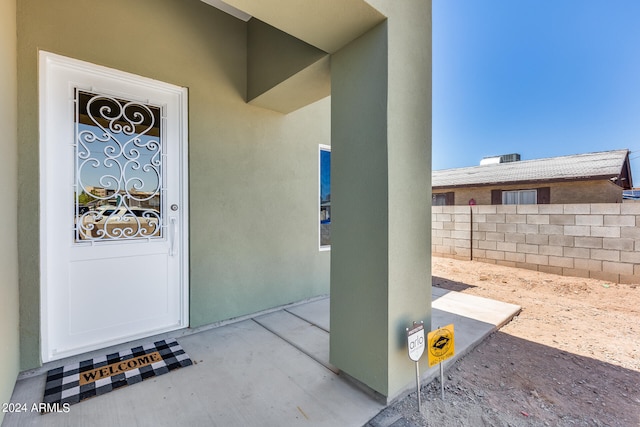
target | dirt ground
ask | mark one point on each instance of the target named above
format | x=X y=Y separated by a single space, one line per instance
x=570 y=358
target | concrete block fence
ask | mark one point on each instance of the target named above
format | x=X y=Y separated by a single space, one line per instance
x=599 y=240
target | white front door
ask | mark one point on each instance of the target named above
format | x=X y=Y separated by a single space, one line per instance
x=113 y=200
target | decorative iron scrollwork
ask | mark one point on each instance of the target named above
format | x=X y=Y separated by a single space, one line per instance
x=119 y=159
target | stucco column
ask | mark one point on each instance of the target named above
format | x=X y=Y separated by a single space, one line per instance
x=381 y=186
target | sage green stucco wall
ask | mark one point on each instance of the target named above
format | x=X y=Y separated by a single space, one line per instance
x=359 y=210
x=381 y=179
x=274 y=56
x=9 y=351
x=253 y=172
x=409 y=128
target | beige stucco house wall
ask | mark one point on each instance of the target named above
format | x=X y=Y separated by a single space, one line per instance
x=560 y=192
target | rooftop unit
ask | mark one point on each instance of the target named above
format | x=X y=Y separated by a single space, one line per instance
x=505 y=158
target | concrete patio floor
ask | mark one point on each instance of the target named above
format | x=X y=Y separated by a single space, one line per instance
x=269 y=370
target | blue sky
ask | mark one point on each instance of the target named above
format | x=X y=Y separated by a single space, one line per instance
x=541 y=78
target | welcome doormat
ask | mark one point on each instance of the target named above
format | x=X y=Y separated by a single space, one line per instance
x=77 y=382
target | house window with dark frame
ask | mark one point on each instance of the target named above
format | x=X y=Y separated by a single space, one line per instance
x=531 y=196
x=443 y=199
x=325 y=197
x=519 y=197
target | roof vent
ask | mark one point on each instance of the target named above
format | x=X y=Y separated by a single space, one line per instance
x=505 y=158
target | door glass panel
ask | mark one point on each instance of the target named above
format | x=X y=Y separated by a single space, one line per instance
x=118 y=169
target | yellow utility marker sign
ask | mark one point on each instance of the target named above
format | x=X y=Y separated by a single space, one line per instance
x=440 y=344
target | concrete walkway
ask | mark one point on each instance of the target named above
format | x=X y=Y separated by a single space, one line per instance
x=270 y=370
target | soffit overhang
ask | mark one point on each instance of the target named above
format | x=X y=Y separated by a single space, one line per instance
x=326 y=25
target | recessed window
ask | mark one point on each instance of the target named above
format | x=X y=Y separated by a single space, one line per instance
x=325 y=197
x=520 y=197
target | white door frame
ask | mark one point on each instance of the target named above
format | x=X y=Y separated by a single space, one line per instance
x=48 y=62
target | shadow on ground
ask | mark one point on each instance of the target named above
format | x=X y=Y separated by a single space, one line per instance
x=450 y=285
x=507 y=380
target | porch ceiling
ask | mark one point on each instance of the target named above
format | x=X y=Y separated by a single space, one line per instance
x=328 y=24
x=287 y=79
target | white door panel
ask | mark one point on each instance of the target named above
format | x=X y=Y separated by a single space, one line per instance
x=113 y=206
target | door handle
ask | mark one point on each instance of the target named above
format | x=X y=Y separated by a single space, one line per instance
x=174 y=235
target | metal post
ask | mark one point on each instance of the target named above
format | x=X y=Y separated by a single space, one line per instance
x=418 y=386
x=471 y=232
x=441 y=380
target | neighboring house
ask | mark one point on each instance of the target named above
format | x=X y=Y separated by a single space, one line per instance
x=582 y=178
x=220 y=111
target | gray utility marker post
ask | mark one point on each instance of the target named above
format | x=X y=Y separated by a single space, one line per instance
x=415 y=344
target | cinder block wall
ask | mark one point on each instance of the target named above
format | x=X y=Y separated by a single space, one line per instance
x=600 y=240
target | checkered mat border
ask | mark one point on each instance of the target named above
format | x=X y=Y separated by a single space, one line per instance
x=64 y=384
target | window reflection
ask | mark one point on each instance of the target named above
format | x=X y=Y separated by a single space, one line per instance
x=118 y=160
x=325 y=197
